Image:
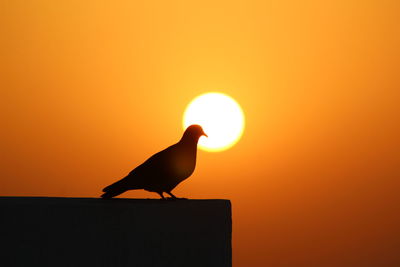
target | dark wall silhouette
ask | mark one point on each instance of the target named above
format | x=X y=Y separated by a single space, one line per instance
x=119 y=232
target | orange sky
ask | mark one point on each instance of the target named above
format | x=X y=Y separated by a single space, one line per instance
x=90 y=89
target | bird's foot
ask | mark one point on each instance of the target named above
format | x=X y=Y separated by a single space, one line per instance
x=173 y=197
x=176 y=198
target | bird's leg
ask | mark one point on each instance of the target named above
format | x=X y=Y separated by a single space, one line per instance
x=173 y=197
x=161 y=194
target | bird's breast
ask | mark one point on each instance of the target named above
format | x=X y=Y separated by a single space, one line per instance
x=184 y=165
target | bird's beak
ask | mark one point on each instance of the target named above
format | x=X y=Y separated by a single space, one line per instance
x=205 y=134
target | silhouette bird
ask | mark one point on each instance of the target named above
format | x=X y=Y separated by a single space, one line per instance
x=163 y=171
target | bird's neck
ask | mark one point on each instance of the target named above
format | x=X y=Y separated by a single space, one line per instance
x=190 y=143
x=189 y=140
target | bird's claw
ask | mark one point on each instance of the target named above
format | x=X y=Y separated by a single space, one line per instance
x=176 y=198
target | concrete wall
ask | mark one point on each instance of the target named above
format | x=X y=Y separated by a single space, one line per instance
x=118 y=232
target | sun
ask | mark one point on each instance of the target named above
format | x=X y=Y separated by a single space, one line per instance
x=220 y=116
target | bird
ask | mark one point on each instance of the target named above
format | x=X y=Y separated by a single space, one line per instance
x=163 y=171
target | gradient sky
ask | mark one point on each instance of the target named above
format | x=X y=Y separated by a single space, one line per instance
x=90 y=89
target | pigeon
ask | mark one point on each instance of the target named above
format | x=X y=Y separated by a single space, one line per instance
x=163 y=171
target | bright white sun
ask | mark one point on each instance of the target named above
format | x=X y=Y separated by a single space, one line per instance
x=220 y=116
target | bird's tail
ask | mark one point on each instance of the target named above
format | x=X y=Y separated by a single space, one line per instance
x=111 y=194
x=113 y=190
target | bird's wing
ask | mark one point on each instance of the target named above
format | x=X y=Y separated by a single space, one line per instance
x=154 y=168
x=149 y=174
x=158 y=163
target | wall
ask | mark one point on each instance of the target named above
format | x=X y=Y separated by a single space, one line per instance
x=38 y=231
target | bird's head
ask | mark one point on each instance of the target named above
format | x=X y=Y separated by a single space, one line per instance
x=193 y=132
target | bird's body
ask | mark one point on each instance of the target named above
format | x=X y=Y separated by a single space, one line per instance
x=163 y=171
